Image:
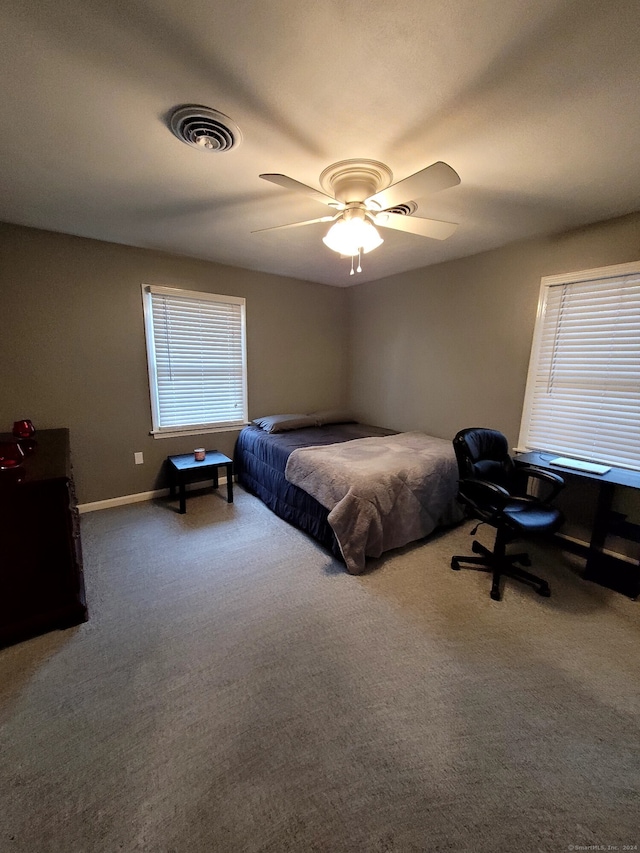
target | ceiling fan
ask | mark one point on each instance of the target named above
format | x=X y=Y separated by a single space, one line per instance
x=363 y=196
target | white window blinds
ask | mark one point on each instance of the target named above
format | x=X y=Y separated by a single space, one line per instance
x=583 y=388
x=196 y=356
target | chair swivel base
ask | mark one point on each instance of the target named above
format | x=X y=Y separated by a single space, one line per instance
x=500 y=564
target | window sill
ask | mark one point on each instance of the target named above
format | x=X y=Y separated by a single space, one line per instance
x=178 y=433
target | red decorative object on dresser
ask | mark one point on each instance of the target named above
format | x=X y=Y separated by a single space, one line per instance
x=41 y=579
x=23 y=429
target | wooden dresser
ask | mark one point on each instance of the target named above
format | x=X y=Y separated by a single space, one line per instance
x=41 y=580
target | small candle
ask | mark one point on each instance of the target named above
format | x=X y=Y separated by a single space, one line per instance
x=199 y=454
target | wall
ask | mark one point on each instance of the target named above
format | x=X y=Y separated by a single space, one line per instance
x=73 y=349
x=436 y=349
x=447 y=346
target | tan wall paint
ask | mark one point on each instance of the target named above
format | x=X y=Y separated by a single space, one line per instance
x=73 y=349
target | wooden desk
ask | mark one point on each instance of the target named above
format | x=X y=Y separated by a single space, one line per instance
x=603 y=568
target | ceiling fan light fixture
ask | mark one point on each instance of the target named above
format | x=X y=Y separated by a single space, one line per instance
x=351 y=236
x=363 y=193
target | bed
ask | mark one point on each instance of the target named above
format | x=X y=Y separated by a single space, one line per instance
x=357 y=489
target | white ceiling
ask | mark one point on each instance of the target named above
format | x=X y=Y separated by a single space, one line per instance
x=534 y=104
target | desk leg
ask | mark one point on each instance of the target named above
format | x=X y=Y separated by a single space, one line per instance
x=229 y=482
x=183 y=503
x=600 y=527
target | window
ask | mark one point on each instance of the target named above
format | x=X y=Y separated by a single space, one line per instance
x=196 y=354
x=583 y=388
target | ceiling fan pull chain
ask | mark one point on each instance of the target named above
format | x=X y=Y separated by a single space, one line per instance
x=351 y=273
x=359 y=269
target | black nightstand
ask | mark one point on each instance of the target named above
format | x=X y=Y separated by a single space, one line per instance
x=185 y=469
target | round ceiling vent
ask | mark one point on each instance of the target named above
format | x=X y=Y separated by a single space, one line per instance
x=205 y=128
x=405 y=209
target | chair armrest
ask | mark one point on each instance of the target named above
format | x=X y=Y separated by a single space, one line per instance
x=554 y=480
x=486 y=499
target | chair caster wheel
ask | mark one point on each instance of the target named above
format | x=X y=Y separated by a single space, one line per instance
x=544 y=591
x=455 y=565
x=477 y=548
x=495 y=595
x=524 y=561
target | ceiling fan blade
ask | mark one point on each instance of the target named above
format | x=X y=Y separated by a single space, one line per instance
x=438 y=176
x=290 y=184
x=297 y=224
x=434 y=228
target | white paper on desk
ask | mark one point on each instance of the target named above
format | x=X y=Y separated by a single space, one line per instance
x=579 y=465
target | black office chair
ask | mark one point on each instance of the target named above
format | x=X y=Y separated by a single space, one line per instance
x=497 y=492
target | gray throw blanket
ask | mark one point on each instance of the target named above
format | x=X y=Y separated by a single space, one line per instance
x=382 y=493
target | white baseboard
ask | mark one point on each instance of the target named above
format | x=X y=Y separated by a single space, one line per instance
x=137 y=498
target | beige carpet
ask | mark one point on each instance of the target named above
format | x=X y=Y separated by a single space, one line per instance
x=236 y=691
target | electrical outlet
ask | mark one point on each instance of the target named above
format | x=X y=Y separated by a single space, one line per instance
x=138 y=458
